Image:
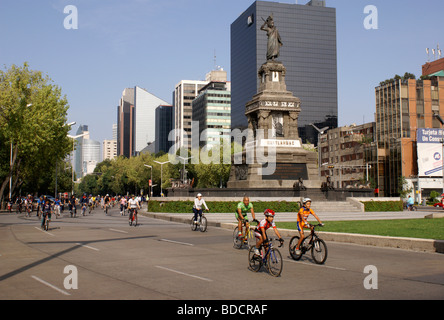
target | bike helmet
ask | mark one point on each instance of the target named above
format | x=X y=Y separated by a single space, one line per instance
x=269 y=213
x=306 y=200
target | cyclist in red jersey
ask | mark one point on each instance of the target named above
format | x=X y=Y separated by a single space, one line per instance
x=261 y=230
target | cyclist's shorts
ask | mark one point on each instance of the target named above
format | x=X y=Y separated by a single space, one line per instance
x=300 y=225
x=237 y=216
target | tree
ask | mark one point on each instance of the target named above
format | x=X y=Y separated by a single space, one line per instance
x=32 y=125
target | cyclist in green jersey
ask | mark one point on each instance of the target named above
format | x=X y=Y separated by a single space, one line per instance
x=241 y=213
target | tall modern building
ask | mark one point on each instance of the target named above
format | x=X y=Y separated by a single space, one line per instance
x=145 y=104
x=164 y=125
x=308 y=33
x=87 y=154
x=125 y=115
x=212 y=111
x=136 y=115
x=184 y=93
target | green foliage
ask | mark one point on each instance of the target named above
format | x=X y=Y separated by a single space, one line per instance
x=375 y=206
x=33 y=116
x=220 y=206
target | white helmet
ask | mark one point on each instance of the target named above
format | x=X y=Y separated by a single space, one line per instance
x=305 y=200
x=199 y=195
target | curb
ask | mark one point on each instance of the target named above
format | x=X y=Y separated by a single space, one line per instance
x=412 y=244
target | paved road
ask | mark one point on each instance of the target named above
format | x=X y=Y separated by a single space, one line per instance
x=166 y=260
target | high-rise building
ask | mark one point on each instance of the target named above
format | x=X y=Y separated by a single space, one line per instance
x=308 y=33
x=136 y=120
x=87 y=153
x=184 y=93
x=145 y=104
x=404 y=105
x=164 y=125
x=212 y=111
x=125 y=115
x=109 y=149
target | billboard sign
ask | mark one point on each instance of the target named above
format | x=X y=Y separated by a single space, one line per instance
x=429 y=143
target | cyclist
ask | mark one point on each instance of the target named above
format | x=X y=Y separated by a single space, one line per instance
x=57 y=207
x=302 y=222
x=123 y=205
x=106 y=202
x=241 y=214
x=133 y=206
x=261 y=230
x=46 y=211
x=197 y=207
x=84 y=203
x=410 y=203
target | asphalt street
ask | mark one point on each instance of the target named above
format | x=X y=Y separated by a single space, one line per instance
x=100 y=256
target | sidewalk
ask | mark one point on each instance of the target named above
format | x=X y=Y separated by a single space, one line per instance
x=227 y=221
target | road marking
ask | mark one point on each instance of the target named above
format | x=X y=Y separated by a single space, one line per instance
x=177 y=242
x=51 y=286
x=44 y=231
x=84 y=245
x=185 y=274
x=315 y=265
x=121 y=231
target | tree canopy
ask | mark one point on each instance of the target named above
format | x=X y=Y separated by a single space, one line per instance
x=33 y=116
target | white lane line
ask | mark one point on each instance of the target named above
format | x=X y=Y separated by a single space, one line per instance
x=84 y=245
x=315 y=265
x=51 y=286
x=177 y=242
x=121 y=231
x=184 y=274
x=44 y=231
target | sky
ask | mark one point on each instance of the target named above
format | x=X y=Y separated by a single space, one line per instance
x=156 y=43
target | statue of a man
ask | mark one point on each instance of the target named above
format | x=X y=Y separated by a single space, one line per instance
x=274 y=39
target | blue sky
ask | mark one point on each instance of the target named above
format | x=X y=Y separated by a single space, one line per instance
x=156 y=43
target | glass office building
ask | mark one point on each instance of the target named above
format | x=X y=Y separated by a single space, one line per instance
x=308 y=33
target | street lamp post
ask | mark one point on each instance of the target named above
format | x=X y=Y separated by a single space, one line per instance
x=72 y=169
x=320 y=132
x=184 y=159
x=161 y=174
x=151 y=186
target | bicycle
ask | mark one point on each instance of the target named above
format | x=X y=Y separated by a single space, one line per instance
x=201 y=223
x=247 y=238
x=132 y=216
x=46 y=222
x=83 y=209
x=412 y=208
x=317 y=246
x=271 y=259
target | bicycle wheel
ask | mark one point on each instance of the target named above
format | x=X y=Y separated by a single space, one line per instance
x=46 y=224
x=135 y=220
x=292 y=248
x=203 y=224
x=274 y=262
x=254 y=262
x=193 y=225
x=236 y=240
x=319 y=251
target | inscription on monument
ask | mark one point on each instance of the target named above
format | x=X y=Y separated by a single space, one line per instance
x=288 y=171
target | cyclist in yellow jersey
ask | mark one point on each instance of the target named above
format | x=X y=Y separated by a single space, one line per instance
x=302 y=221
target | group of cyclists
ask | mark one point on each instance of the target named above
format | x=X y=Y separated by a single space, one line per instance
x=260 y=232
x=45 y=206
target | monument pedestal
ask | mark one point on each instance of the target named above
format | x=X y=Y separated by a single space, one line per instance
x=273 y=156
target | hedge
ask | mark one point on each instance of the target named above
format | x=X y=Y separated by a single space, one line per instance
x=220 y=206
x=375 y=206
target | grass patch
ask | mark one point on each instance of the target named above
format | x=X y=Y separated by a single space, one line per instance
x=410 y=228
x=220 y=206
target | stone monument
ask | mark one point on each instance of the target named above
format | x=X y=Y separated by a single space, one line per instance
x=272 y=156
